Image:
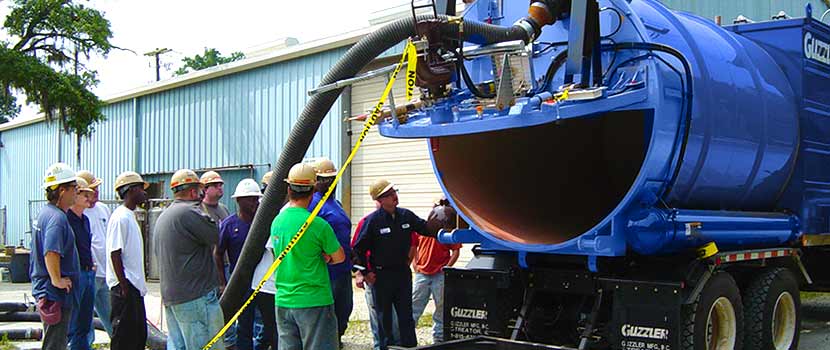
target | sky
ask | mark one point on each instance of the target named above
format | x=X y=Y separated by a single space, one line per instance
x=188 y=26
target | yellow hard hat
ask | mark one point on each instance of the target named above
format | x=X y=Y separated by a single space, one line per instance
x=325 y=168
x=183 y=177
x=89 y=178
x=129 y=178
x=267 y=177
x=58 y=174
x=83 y=186
x=379 y=187
x=211 y=177
x=302 y=174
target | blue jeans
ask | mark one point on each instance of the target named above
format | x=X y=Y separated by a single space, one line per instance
x=192 y=324
x=341 y=289
x=373 y=319
x=102 y=305
x=80 y=324
x=262 y=306
x=310 y=328
x=425 y=285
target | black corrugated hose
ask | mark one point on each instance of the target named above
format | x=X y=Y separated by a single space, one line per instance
x=309 y=121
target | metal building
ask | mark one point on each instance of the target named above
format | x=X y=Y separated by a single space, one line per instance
x=233 y=118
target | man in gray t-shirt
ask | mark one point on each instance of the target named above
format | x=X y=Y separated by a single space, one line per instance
x=189 y=280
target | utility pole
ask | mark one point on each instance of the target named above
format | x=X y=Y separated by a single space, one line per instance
x=157 y=53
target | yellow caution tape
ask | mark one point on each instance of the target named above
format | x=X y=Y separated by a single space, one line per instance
x=376 y=112
x=412 y=62
x=706 y=251
x=562 y=96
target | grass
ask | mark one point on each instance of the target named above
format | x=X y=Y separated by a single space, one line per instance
x=812 y=295
x=6 y=344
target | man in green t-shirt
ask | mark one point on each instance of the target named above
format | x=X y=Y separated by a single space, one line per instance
x=305 y=306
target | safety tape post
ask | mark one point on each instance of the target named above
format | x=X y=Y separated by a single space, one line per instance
x=376 y=112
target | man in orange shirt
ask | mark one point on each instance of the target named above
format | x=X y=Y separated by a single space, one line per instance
x=429 y=278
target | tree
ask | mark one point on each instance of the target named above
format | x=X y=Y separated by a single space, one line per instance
x=43 y=61
x=210 y=58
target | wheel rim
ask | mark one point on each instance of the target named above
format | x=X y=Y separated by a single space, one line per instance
x=721 y=325
x=783 y=322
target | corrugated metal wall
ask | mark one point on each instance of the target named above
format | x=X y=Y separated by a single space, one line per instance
x=24 y=152
x=757 y=10
x=234 y=120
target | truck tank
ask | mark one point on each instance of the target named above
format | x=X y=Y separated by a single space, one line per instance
x=703 y=142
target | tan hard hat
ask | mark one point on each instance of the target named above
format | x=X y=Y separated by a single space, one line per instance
x=379 y=187
x=83 y=186
x=302 y=174
x=211 y=177
x=183 y=177
x=57 y=174
x=89 y=178
x=325 y=168
x=129 y=178
x=267 y=177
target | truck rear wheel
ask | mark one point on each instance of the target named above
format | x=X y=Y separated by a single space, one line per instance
x=772 y=317
x=715 y=320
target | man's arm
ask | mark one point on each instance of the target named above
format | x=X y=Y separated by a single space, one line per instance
x=118 y=269
x=202 y=227
x=437 y=220
x=219 y=260
x=454 y=253
x=53 y=240
x=337 y=257
x=53 y=266
x=219 y=255
x=362 y=243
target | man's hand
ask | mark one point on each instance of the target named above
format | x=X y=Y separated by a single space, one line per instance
x=123 y=289
x=63 y=283
x=326 y=258
x=359 y=281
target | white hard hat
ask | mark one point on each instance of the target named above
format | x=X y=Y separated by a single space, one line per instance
x=247 y=188
x=57 y=174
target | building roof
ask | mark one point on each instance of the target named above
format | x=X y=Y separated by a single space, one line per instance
x=284 y=54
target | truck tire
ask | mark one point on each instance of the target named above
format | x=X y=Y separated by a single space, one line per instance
x=714 y=321
x=772 y=316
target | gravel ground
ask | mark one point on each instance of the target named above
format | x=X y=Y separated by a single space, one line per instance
x=359 y=334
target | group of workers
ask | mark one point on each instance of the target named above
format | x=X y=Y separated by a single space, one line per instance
x=86 y=260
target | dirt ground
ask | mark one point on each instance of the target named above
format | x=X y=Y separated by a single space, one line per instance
x=815 y=333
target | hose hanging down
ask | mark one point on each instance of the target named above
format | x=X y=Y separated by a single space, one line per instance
x=302 y=133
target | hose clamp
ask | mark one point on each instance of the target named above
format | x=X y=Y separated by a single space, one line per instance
x=525 y=24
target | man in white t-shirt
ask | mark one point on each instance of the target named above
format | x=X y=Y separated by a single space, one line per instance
x=264 y=302
x=99 y=215
x=125 y=266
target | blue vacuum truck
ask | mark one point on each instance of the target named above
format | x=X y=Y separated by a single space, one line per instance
x=635 y=178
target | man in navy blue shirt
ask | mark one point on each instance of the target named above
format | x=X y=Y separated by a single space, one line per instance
x=80 y=325
x=233 y=231
x=387 y=234
x=339 y=274
x=54 y=263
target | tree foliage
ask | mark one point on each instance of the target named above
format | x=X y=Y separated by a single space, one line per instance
x=211 y=57
x=44 y=60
